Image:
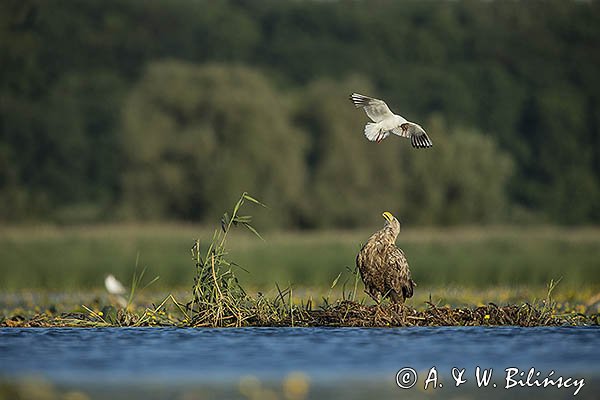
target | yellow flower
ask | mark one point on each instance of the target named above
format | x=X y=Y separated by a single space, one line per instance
x=100 y=313
x=487 y=316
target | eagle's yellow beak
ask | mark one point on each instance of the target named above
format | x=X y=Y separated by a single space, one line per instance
x=388 y=216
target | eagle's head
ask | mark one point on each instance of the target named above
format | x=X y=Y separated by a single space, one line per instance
x=391 y=223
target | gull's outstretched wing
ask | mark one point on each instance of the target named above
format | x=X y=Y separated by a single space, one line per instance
x=376 y=109
x=417 y=135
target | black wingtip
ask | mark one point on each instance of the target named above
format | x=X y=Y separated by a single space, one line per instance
x=421 y=142
x=358 y=100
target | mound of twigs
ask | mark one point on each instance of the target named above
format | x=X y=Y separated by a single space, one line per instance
x=348 y=313
x=341 y=314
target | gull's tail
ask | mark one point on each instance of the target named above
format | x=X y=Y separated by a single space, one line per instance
x=374 y=133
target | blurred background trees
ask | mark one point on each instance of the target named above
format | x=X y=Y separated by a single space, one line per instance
x=194 y=135
x=169 y=109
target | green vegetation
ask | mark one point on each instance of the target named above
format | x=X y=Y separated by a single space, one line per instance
x=455 y=268
x=128 y=110
x=193 y=136
x=235 y=309
x=217 y=297
x=219 y=300
x=74 y=258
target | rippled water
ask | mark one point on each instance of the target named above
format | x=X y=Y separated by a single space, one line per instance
x=329 y=357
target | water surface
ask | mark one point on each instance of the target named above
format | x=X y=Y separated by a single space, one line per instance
x=175 y=357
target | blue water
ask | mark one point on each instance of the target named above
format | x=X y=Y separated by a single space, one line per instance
x=175 y=357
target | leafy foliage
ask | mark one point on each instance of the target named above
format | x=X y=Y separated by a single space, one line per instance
x=193 y=135
x=167 y=109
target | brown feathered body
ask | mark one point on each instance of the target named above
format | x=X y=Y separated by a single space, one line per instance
x=383 y=266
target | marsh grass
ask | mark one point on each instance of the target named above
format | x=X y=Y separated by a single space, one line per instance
x=280 y=307
x=137 y=281
x=217 y=297
x=219 y=300
x=264 y=311
x=289 y=307
x=75 y=258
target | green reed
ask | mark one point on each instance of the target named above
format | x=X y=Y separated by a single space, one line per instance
x=218 y=299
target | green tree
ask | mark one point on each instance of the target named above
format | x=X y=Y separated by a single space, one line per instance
x=526 y=75
x=561 y=157
x=462 y=179
x=194 y=137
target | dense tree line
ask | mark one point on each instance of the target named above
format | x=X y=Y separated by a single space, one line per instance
x=169 y=109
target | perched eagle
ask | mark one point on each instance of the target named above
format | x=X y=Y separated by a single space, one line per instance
x=386 y=122
x=383 y=266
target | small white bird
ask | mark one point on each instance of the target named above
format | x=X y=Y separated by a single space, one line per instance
x=113 y=286
x=386 y=122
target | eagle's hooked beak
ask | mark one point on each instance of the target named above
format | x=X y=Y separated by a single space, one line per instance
x=388 y=216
